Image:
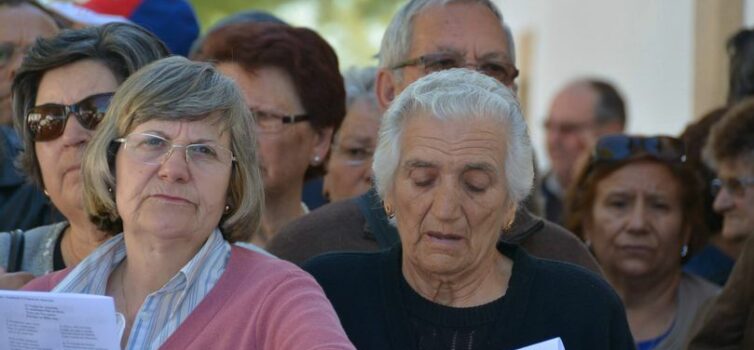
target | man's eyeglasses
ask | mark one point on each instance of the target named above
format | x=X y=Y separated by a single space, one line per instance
x=47 y=122
x=619 y=147
x=7 y=50
x=155 y=150
x=504 y=72
x=271 y=123
x=736 y=186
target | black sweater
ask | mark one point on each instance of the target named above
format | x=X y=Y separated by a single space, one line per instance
x=544 y=300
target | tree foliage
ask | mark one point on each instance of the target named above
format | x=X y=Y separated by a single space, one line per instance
x=353 y=27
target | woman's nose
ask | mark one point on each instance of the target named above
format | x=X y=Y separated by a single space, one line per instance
x=723 y=201
x=446 y=204
x=174 y=166
x=74 y=133
x=637 y=220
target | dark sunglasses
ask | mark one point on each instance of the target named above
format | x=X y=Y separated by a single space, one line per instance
x=47 y=122
x=619 y=147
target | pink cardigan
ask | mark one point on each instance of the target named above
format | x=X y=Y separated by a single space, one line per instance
x=259 y=303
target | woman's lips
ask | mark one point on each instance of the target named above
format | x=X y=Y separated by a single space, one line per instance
x=172 y=199
x=637 y=249
x=444 y=239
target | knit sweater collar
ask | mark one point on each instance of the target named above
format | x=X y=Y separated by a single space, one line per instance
x=514 y=302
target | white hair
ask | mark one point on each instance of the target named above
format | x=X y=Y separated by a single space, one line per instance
x=396 y=42
x=457 y=94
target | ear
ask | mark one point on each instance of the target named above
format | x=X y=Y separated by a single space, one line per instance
x=610 y=128
x=322 y=141
x=385 y=88
x=510 y=215
x=587 y=230
x=686 y=235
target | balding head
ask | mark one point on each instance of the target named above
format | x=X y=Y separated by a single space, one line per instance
x=580 y=113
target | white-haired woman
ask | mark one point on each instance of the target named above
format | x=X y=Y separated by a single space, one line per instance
x=452 y=163
x=173 y=166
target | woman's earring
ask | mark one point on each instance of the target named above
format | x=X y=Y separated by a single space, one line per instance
x=45 y=192
x=316 y=160
x=227 y=208
x=684 y=250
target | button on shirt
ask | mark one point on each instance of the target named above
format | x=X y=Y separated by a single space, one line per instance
x=164 y=310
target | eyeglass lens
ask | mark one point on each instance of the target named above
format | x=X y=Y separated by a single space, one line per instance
x=734 y=186
x=268 y=122
x=154 y=150
x=47 y=122
x=501 y=71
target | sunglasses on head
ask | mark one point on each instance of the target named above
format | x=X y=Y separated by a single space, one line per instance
x=620 y=147
x=47 y=122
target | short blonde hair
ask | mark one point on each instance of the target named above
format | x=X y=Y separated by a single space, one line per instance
x=177 y=89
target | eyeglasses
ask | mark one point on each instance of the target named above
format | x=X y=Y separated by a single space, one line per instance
x=352 y=156
x=504 y=72
x=736 y=186
x=47 y=122
x=155 y=150
x=619 y=147
x=271 y=123
x=7 y=50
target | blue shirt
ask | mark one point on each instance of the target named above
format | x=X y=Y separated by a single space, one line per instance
x=164 y=310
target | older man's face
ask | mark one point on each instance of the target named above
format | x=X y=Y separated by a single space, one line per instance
x=570 y=130
x=470 y=31
x=19 y=27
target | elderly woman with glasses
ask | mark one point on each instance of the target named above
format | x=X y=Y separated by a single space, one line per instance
x=60 y=94
x=636 y=203
x=174 y=168
x=349 y=172
x=290 y=80
x=452 y=164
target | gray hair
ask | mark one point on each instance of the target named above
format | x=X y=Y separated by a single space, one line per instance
x=122 y=47
x=396 y=42
x=455 y=94
x=610 y=107
x=177 y=89
x=359 y=83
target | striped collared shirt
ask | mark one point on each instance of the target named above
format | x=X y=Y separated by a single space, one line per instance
x=165 y=309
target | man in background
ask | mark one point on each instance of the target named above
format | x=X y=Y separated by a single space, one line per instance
x=581 y=112
x=426 y=36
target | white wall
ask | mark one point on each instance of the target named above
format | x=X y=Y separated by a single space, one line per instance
x=645 y=47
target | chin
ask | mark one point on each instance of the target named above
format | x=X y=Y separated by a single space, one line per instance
x=635 y=269
x=442 y=264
